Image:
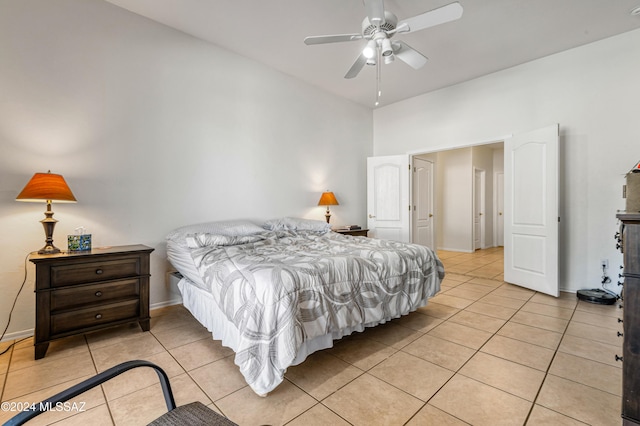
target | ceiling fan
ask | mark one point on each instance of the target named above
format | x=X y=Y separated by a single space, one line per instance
x=379 y=27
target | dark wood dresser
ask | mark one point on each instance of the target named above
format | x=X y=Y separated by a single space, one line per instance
x=77 y=292
x=631 y=317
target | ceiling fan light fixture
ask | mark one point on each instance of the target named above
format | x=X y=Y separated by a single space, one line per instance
x=389 y=58
x=386 y=47
x=371 y=61
x=370 y=50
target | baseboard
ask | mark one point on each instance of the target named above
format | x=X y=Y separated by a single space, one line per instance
x=17 y=335
x=175 y=301
x=455 y=249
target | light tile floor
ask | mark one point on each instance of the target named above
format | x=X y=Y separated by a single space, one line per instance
x=482 y=352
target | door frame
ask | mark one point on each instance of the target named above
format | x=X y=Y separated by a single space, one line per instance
x=497 y=212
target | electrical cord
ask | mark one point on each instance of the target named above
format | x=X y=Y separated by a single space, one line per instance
x=606 y=280
x=15 y=300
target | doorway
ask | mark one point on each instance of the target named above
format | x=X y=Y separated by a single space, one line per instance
x=464 y=207
x=530 y=162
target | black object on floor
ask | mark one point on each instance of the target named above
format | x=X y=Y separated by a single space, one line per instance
x=596 y=295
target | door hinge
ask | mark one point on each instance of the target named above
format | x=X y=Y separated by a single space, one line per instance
x=409 y=166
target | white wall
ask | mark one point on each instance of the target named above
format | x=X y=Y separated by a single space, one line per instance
x=592 y=91
x=154 y=129
x=455 y=179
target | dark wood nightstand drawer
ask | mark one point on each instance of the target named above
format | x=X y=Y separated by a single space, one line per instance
x=100 y=293
x=70 y=274
x=86 y=318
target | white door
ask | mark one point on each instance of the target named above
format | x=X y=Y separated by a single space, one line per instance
x=499 y=209
x=422 y=198
x=531 y=210
x=478 y=208
x=388 y=197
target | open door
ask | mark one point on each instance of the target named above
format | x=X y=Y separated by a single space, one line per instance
x=531 y=210
x=388 y=197
x=422 y=199
x=478 y=209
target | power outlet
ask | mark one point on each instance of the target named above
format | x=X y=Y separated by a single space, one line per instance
x=604 y=263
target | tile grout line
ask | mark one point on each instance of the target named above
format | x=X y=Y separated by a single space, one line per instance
x=188 y=373
x=546 y=374
x=6 y=374
x=104 y=394
x=465 y=363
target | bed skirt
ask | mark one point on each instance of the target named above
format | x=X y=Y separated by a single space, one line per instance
x=202 y=306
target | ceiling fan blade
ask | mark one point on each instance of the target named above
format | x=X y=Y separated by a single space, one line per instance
x=331 y=38
x=409 y=55
x=375 y=11
x=434 y=17
x=356 y=67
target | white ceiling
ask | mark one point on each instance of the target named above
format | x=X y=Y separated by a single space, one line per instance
x=491 y=35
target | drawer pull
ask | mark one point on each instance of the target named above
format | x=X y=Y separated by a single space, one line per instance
x=620 y=320
x=98 y=316
x=98 y=293
x=620 y=334
x=618 y=358
x=99 y=271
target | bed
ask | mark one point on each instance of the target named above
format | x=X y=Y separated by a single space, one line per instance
x=278 y=292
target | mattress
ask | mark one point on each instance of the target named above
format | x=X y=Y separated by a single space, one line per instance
x=275 y=297
x=180 y=257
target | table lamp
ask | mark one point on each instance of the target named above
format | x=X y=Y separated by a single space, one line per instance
x=47 y=187
x=328 y=199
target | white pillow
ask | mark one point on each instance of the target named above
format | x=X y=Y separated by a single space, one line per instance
x=230 y=228
x=206 y=240
x=275 y=225
x=297 y=224
x=307 y=224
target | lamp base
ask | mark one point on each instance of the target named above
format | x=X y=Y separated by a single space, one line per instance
x=49 y=223
x=49 y=249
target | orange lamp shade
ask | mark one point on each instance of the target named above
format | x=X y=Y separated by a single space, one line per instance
x=328 y=199
x=47 y=186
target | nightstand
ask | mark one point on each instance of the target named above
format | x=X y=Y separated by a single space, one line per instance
x=78 y=292
x=352 y=232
